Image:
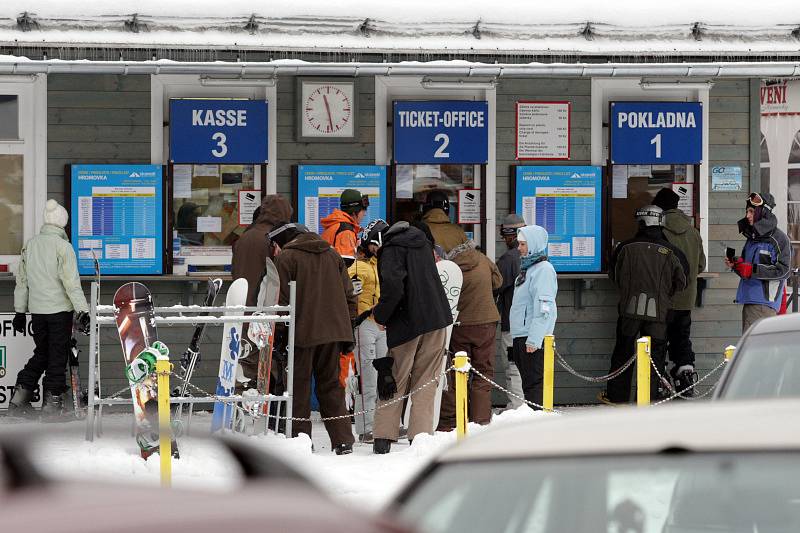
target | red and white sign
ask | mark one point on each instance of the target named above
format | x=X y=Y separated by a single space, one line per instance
x=469 y=206
x=542 y=130
x=780 y=98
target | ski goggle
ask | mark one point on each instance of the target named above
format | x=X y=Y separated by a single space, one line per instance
x=756 y=200
x=277 y=231
x=364 y=202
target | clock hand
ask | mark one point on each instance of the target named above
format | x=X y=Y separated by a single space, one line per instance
x=328 y=109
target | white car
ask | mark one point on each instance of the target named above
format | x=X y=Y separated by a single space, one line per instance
x=690 y=468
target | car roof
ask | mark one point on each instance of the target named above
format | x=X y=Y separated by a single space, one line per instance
x=776 y=324
x=721 y=426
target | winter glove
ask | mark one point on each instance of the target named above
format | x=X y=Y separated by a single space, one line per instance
x=742 y=268
x=387 y=386
x=82 y=322
x=361 y=318
x=19 y=322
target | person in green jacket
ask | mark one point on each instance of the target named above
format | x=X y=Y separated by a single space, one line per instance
x=681 y=233
x=49 y=288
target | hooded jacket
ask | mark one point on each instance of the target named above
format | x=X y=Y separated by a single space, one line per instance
x=47 y=275
x=325 y=300
x=769 y=251
x=481 y=278
x=680 y=232
x=445 y=233
x=533 y=311
x=412 y=299
x=341 y=231
x=250 y=252
x=648 y=271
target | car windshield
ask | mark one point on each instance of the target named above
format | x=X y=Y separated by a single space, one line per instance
x=672 y=493
x=765 y=366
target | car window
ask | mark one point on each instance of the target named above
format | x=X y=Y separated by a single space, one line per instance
x=679 y=493
x=765 y=366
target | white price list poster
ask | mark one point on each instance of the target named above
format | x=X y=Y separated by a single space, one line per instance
x=542 y=130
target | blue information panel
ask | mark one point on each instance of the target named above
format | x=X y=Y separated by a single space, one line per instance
x=441 y=132
x=320 y=186
x=218 y=131
x=656 y=132
x=117 y=216
x=567 y=202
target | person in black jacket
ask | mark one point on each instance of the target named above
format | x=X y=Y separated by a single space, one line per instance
x=648 y=271
x=414 y=309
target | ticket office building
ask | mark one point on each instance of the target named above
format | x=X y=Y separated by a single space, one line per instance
x=51 y=120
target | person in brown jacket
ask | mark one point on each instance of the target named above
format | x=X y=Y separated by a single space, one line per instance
x=250 y=253
x=474 y=333
x=325 y=307
x=435 y=213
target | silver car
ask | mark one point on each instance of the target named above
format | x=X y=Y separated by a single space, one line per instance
x=717 y=467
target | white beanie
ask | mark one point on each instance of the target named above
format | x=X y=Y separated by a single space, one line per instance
x=55 y=214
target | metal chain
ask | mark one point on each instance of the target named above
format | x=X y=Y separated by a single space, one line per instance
x=678 y=393
x=508 y=392
x=672 y=389
x=597 y=379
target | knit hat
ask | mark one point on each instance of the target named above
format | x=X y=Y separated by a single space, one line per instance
x=666 y=199
x=55 y=214
x=352 y=201
x=511 y=223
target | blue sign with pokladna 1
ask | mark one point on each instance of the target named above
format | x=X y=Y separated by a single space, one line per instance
x=320 y=186
x=568 y=202
x=218 y=131
x=656 y=132
x=117 y=217
x=441 y=132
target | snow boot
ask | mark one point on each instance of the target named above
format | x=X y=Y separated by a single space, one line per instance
x=684 y=377
x=381 y=446
x=345 y=448
x=53 y=408
x=20 y=404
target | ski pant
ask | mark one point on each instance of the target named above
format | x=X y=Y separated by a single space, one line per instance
x=416 y=362
x=370 y=345
x=618 y=390
x=513 y=379
x=679 y=342
x=753 y=312
x=531 y=369
x=323 y=362
x=478 y=342
x=52 y=334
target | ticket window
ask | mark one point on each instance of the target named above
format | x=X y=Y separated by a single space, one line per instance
x=633 y=186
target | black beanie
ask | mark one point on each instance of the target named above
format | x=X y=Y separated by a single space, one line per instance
x=666 y=199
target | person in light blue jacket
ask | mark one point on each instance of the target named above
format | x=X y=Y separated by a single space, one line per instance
x=533 y=310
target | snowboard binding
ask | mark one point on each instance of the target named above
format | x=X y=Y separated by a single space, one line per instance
x=144 y=364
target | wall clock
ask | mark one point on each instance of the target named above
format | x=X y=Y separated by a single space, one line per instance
x=327 y=109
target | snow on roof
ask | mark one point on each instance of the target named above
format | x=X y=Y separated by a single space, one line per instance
x=576 y=26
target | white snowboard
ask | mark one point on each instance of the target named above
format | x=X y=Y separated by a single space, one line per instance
x=231 y=345
x=452 y=279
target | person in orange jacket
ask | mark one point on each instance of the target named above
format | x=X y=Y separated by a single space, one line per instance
x=341 y=228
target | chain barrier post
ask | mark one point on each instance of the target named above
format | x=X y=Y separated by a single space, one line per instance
x=549 y=372
x=163 y=370
x=643 y=371
x=462 y=374
x=729 y=351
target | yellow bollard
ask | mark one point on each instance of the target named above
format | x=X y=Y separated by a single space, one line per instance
x=729 y=351
x=163 y=369
x=643 y=371
x=461 y=362
x=549 y=372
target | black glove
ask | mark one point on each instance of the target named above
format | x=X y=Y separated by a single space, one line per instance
x=348 y=347
x=19 y=322
x=387 y=386
x=82 y=322
x=361 y=318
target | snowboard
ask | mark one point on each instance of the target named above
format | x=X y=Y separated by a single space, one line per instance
x=75 y=379
x=222 y=417
x=136 y=324
x=191 y=356
x=452 y=278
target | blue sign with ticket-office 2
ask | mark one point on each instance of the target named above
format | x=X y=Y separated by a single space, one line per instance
x=441 y=132
x=218 y=131
x=656 y=132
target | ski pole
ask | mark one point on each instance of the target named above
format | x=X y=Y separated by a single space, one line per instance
x=163 y=369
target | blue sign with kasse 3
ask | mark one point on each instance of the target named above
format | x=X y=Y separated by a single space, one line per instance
x=647 y=133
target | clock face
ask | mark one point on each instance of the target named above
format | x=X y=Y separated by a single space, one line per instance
x=327 y=109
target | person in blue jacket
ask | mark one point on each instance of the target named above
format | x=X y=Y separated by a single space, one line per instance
x=533 y=309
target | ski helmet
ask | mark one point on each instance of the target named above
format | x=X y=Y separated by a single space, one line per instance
x=373 y=232
x=650 y=215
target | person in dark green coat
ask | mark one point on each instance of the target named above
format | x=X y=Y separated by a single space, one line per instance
x=682 y=234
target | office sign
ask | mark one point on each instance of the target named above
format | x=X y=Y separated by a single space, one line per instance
x=320 y=186
x=218 y=131
x=656 y=133
x=441 y=132
x=116 y=215
x=567 y=202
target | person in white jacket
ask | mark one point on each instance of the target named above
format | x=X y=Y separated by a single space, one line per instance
x=533 y=310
